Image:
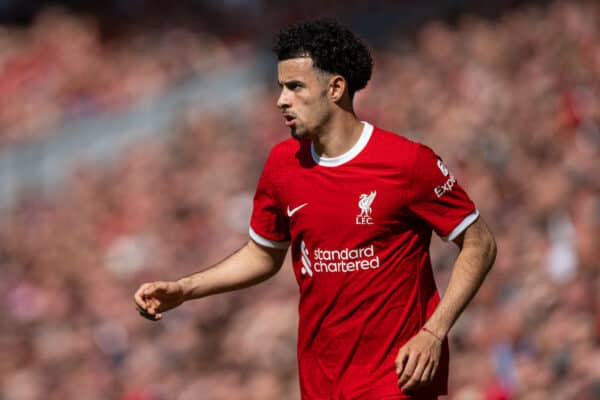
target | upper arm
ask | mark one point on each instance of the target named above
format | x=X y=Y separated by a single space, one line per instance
x=477 y=235
x=269 y=257
x=269 y=226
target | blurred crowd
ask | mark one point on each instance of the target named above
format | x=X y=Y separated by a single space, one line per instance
x=513 y=105
x=60 y=68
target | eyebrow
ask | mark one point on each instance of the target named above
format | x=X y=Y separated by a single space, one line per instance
x=292 y=82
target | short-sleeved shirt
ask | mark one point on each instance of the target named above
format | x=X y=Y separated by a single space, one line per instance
x=359 y=226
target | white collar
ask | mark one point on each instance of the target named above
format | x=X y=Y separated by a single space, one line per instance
x=355 y=150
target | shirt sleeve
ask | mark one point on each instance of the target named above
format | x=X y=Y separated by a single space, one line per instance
x=437 y=197
x=268 y=225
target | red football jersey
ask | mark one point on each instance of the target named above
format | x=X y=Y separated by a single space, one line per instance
x=359 y=226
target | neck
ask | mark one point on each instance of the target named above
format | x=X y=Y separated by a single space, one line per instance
x=338 y=136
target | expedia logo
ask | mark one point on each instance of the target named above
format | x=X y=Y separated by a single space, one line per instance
x=446 y=186
x=345 y=260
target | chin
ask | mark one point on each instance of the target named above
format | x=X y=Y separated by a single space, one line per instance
x=295 y=134
x=298 y=134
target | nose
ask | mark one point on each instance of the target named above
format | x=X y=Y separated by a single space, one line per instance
x=283 y=100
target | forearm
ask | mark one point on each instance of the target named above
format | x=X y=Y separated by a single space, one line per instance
x=246 y=267
x=474 y=260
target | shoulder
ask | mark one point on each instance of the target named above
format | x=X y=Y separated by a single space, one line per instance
x=396 y=139
x=396 y=147
x=286 y=148
x=283 y=153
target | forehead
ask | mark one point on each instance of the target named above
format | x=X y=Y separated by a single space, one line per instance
x=300 y=68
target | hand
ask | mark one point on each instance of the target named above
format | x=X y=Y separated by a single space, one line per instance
x=152 y=299
x=417 y=361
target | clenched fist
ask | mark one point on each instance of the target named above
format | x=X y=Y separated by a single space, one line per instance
x=152 y=299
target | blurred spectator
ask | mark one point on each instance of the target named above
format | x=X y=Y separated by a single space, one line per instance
x=59 y=68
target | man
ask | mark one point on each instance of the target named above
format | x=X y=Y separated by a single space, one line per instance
x=357 y=206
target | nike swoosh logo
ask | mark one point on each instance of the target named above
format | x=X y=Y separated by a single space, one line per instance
x=292 y=212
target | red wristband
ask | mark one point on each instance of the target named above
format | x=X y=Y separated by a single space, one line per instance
x=432 y=333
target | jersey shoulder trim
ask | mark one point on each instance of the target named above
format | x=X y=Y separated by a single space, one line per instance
x=464 y=224
x=263 y=241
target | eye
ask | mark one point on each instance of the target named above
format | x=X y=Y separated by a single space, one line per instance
x=294 y=86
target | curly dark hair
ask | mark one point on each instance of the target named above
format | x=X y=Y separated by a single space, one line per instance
x=332 y=47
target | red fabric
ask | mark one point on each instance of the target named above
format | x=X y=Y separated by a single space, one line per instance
x=370 y=287
x=496 y=392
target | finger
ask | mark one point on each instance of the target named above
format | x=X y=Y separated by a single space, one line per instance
x=424 y=379
x=401 y=361
x=415 y=378
x=434 y=367
x=139 y=300
x=156 y=288
x=140 y=309
x=154 y=305
x=408 y=370
x=149 y=289
x=427 y=377
x=148 y=316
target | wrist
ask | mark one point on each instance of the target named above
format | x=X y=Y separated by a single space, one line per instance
x=184 y=288
x=439 y=336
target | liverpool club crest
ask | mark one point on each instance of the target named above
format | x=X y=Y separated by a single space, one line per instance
x=364 y=203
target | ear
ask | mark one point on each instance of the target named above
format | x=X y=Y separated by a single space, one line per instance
x=337 y=87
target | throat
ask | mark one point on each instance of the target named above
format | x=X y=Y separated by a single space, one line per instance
x=335 y=143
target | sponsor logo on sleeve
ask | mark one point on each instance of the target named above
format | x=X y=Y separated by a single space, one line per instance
x=446 y=186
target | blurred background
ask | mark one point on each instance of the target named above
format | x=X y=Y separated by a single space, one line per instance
x=132 y=134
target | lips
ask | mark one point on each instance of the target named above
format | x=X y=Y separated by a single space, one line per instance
x=289 y=119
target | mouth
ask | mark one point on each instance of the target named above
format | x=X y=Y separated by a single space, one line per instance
x=290 y=120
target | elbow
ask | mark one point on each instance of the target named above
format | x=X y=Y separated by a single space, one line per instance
x=491 y=250
x=486 y=243
x=480 y=242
